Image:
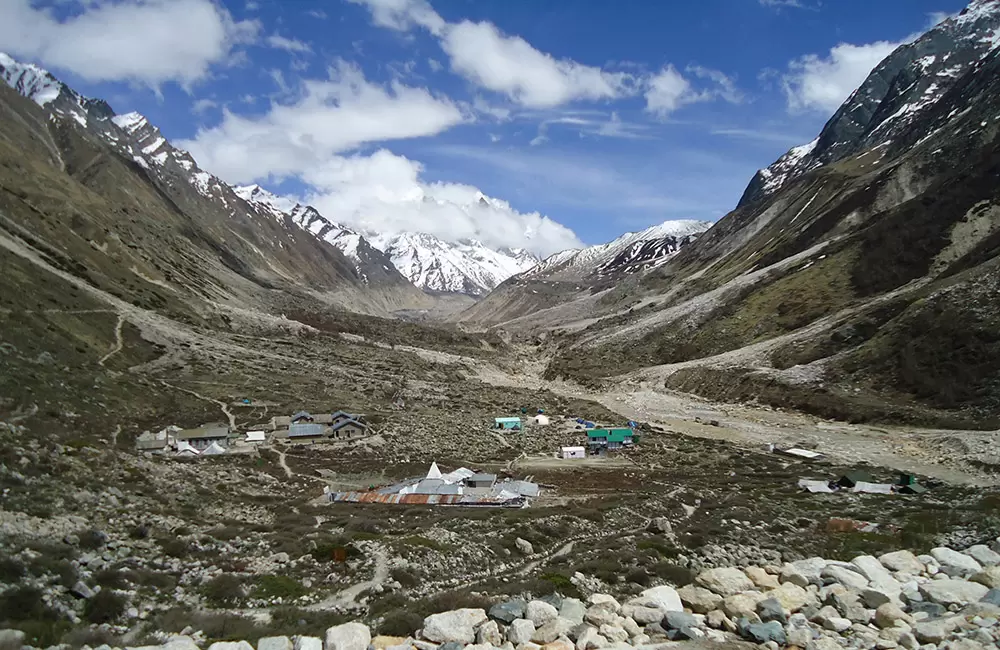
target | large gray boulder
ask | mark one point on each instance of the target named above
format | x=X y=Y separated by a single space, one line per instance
x=230 y=645
x=524 y=546
x=725 y=581
x=572 y=609
x=903 y=562
x=488 y=634
x=349 y=636
x=540 y=612
x=590 y=639
x=699 y=599
x=11 y=638
x=948 y=557
x=644 y=615
x=509 y=611
x=847 y=577
x=984 y=555
x=520 y=631
x=274 y=643
x=664 y=598
x=791 y=596
x=989 y=576
x=458 y=625
x=552 y=630
x=307 y=643
x=953 y=592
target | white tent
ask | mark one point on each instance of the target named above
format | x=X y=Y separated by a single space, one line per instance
x=213 y=449
x=185 y=449
x=433 y=472
x=255 y=436
x=541 y=420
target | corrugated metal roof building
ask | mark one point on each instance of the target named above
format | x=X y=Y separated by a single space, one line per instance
x=306 y=430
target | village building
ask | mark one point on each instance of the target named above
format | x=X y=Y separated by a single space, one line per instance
x=280 y=422
x=341 y=416
x=573 y=452
x=302 y=416
x=509 y=424
x=600 y=440
x=154 y=442
x=481 y=480
x=255 y=437
x=299 y=431
x=204 y=436
x=348 y=430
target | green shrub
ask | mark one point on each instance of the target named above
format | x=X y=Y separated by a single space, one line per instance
x=177 y=548
x=405 y=578
x=92 y=539
x=400 y=622
x=225 y=590
x=11 y=571
x=105 y=607
x=273 y=586
x=24 y=604
x=676 y=575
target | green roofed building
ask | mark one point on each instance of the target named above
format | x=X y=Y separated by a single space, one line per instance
x=598 y=439
x=511 y=424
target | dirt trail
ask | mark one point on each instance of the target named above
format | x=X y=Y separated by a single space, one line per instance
x=347 y=597
x=284 y=465
x=117 y=347
x=222 y=405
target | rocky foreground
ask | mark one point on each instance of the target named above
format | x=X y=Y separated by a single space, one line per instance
x=945 y=600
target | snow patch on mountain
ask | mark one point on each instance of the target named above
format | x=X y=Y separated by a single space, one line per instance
x=464 y=267
x=31 y=81
x=631 y=252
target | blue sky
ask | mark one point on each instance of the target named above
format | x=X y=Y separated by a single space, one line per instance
x=581 y=119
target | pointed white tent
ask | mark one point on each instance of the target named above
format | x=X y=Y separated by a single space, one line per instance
x=213 y=449
x=434 y=472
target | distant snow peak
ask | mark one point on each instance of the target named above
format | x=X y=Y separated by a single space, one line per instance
x=467 y=267
x=31 y=81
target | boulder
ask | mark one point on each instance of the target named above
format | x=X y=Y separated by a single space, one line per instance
x=665 y=598
x=232 y=645
x=349 y=636
x=660 y=526
x=989 y=577
x=458 y=625
x=488 y=633
x=717 y=619
x=984 y=555
x=791 y=596
x=552 y=630
x=559 y=644
x=678 y=621
x=903 y=562
x=874 y=597
x=274 y=643
x=614 y=633
x=699 y=599
x=953 y=592
x=933 y=631
x=810 y=569
x=799 y=636
x=762 y=632
x=80 y=590
x=524 y=546
x=644 y=615
x=572 y=609
x=888 y=613
x=383 y=642
x=847 y=577
x=770 y=609
x=824 y=643
x=761 y=578
x=742 y=605
x=11 y=638
x=725 y=581
x=590 y=639
x=631 y=626
x=540 y=613
x=508 y=611
x=601 y=613
x=951 y=558
x=603 y=599
x=992 y=597
x=520 y=631
x=307 y=643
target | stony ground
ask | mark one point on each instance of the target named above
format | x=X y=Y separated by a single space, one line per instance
x=102 y=545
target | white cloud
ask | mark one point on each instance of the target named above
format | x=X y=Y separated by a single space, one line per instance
x=505 y=64
x=384 y=193
x=823 y=83
x=288 y=44
x=328 y=117
x=131 y=40
x=724 y=85
x=935 y=18
x=434 y=65
x=201 y=105
x=782 y=4
x=511 y=66
x=402 y=15
x=668 y=90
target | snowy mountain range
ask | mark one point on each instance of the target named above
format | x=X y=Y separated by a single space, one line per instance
x=430 y=263
x=633 y=251
x=898 y=92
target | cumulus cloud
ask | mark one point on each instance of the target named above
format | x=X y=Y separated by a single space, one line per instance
x=384 y=193
x=482 y=54
x=667 y=91
x=328 y=117
x=131 y=40
x=822 y=83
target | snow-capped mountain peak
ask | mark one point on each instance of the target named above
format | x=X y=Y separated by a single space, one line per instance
x=900 y=90
x=31 y=81
x=468 y=267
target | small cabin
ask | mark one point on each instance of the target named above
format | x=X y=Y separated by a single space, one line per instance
x=202 y=437
x=509 y=424
x=574 y=452
x=609 y=438
x=348 y=429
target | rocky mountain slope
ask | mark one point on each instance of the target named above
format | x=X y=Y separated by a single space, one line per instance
x=259 y=249
x=856 y=286
x=567 y=275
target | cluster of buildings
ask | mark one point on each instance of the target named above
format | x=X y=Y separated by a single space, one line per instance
x=461 y=487
x=218 y=438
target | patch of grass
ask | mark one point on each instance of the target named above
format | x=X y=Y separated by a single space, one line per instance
x=275 y=586
x=405 y=578
x=177 y=548
x=418 y=540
